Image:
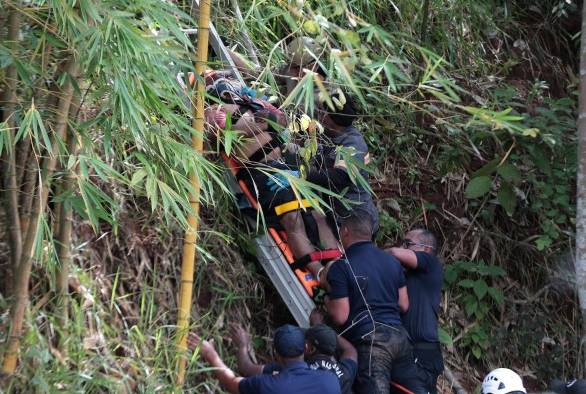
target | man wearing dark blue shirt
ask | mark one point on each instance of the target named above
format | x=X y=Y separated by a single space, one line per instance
x=321 y=343
x=295 y=375
x=425 y=278
x=368 y=293
x=344 y=148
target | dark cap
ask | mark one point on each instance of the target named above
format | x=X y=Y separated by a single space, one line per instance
x=289 y=341
x=577 y=386
x=323 y=338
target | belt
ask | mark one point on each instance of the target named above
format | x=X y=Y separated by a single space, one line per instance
x=426 y=346
x=383 y=327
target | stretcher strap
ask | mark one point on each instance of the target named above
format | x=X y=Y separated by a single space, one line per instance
x=320 y=255
x=401 y=388
x=291 y=206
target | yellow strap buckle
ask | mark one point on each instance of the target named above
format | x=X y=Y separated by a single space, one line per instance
x=291 y=206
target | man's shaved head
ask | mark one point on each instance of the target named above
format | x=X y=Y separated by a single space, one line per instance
x=423 y=236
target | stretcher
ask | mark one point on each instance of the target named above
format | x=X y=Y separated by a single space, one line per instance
x=294 y=283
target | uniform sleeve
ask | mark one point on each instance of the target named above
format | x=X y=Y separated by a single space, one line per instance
x=401 y=280
x=350 y=368
x=360 y=154
x=424 y=261
x=251 y=385
x=338 y=280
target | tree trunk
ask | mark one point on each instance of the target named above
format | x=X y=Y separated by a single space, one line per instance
x=10 y=184
x=64 y=240
x=581 y=194
x=39 y=205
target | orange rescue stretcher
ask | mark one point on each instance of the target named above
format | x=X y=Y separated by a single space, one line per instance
x=305 y=277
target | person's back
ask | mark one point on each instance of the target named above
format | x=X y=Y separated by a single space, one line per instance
x=369 y=274
x=367 y=294
x=294 y=377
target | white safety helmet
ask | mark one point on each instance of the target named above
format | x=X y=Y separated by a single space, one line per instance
x=502 y=381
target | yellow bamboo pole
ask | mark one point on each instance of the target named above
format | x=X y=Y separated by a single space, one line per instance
x=189 y=244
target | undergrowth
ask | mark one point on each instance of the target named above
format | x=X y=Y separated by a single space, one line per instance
x=471 y=125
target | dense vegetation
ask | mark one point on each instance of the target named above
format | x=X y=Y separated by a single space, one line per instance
x=471 y=122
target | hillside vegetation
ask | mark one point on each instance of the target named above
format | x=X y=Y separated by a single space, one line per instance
x=470 y=111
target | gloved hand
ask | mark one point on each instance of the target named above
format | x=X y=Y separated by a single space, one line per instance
x=246 y=91
x=277 y=182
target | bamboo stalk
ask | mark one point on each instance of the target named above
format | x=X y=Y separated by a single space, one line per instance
x=27 y=192
x=24 y=151
x=31 y=174
x=580 y=262
x=10 y=194
x=40 y=203
x=65 y=221
x=189 y=244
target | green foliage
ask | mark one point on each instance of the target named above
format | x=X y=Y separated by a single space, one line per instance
x=538 y=170
x=479 y=296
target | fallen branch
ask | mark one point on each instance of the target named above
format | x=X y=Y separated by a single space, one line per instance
x=245 y=37
x=454 y=382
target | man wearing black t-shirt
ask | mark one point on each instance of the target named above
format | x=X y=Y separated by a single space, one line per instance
x=321 y=344
x=424 y=273
x=368 y=293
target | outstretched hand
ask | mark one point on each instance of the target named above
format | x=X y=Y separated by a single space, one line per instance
x=316 y=317
x=206 y=348
x=239 y=336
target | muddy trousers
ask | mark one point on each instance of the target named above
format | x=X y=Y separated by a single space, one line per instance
x=430 y=364
x=385 y=356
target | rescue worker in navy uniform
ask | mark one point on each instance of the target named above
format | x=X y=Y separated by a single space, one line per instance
x=368 y=293
x=322 y=342
x=294 y=377
x=331 y=170
x=425 y=277
x=321 y=345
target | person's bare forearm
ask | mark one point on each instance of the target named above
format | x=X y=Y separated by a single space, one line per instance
x=406 y=257
x=246 y=366
x=225 y=375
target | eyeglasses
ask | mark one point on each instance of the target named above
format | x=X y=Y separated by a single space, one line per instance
x=407 y=243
